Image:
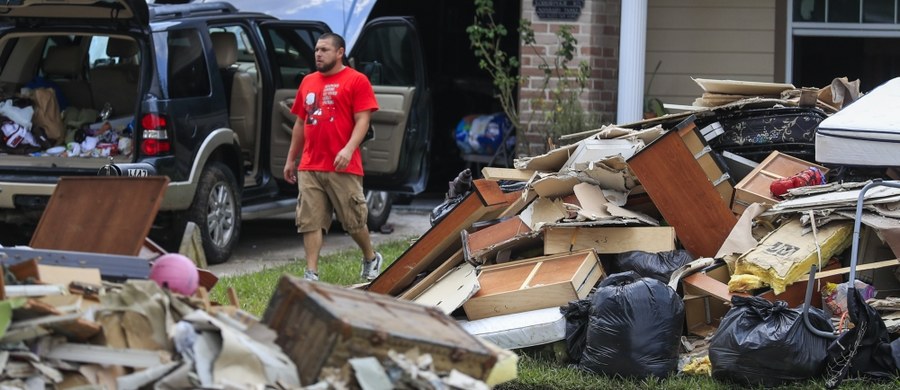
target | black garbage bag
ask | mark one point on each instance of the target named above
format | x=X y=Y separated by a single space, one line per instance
x=765 y=343
x=577 y=314
x=864 y=350
x=634 y=328
x=658 y=266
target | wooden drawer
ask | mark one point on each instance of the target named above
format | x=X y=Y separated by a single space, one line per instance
x=321 y=325
x=533 y=284
x=754 y=188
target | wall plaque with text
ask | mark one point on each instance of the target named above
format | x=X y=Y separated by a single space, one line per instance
x=558 y=9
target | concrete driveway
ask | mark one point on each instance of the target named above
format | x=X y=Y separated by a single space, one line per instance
x=274 y=241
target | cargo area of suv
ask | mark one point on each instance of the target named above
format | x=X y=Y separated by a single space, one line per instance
x=68 y=97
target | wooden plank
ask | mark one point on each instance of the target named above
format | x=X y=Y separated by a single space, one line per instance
x=485 y=202
x=493 y=173
x=482 y=239
x=100 y=214
x=683 y=195
x=609 y=240
x=859 y=267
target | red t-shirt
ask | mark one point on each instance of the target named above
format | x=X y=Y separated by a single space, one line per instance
x=326 y=105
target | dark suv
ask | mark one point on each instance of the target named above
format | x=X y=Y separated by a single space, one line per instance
x=199 y=93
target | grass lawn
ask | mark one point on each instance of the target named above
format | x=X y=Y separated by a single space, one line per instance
x=538 y=369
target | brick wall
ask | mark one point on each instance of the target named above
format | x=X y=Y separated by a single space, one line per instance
x=597 y=32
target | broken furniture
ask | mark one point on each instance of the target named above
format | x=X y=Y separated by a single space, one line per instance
x=320 y=325
x=486 y=201
x=537 y=283
x=683 y=194
x=754 y=188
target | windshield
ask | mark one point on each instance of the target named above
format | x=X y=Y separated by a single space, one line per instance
x=345 y=17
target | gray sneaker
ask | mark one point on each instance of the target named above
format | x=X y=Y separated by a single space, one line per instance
x=371 y=269
x=312 y=276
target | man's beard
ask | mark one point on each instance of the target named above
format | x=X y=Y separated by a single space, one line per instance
x=326 y=66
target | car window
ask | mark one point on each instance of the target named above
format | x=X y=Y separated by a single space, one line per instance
x=188 y=75
x=97 y=56
x=385 y=55
x=292 y=53
x=100 y=54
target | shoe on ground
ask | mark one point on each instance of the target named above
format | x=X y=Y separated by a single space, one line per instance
x=311 y=276
x=371 y=269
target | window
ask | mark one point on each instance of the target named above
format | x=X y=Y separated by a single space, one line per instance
x=845 y=11
x=292 y=54
x=188 y=74
x=385 y=55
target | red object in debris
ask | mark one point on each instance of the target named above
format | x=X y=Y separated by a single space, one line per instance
x=808 y=177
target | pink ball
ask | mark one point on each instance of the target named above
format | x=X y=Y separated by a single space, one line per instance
x=175 y=272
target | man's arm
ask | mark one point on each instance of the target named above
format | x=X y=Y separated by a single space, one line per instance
x=360 y=127
x=297 y=140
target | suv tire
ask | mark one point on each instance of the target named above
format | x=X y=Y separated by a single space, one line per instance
x=379 y=204
x=216 y=211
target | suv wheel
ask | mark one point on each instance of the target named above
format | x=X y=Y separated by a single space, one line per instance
x=215 y=210
x=379 y=204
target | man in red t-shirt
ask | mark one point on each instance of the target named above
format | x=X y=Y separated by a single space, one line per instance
x=333 y=108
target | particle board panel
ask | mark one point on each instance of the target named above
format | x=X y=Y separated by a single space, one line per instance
x=609 y=240
x=484 y=203
x=100 y=214
x=684 y=196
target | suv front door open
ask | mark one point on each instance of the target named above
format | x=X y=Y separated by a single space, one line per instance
x=290 y=49
x=389 y=52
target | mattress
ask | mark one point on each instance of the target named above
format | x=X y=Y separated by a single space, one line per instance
x=865 y=133
x=520 y=330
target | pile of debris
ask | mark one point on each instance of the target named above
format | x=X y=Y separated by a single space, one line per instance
x=114 y=310
x=728 y=205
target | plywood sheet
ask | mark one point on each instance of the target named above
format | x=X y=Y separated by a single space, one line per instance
x=100 y=214
x=683 y=194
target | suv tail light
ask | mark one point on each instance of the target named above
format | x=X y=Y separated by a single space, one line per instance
x=155 y=137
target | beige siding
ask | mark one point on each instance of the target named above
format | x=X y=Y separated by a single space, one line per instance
x=721 y=39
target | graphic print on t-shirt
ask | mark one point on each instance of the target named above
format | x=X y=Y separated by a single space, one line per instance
x=312 y=109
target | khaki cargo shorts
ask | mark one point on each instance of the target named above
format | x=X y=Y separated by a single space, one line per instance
x=324 y=192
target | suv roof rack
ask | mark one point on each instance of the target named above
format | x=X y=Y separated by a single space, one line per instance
x=190 y=9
